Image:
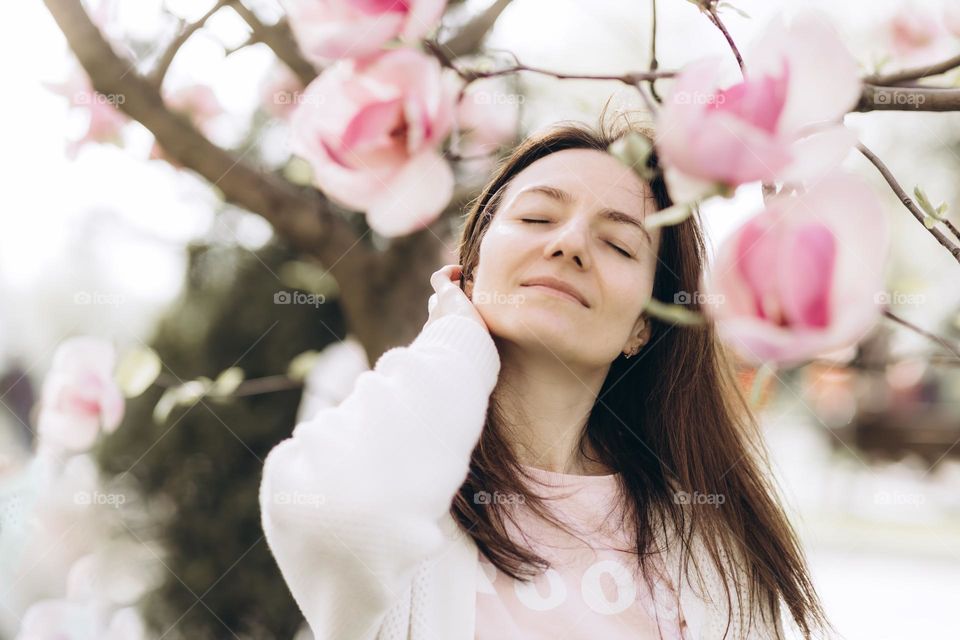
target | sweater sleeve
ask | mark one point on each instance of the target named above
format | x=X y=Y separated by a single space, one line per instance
x=353 y=501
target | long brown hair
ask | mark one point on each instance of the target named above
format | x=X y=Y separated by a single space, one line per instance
x=673 y=419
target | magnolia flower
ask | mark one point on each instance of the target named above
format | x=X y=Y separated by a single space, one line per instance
x=104 y=123
x=371 y=131
x=330 y=29
x=280 y=92
x=804 y=276
x=782 y=122
x=487 y=116
x=69 y=620
x=79 y=395
x=951 y=18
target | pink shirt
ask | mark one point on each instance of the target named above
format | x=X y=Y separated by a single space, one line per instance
x=593 y=591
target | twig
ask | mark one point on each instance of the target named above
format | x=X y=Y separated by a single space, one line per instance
x=908 y=201
x=711 y=8
x=471 y=35
x=654 y=63
x=469 y=75
x=923 y=332
x=166 y=58
x=953 y=228
x=280 y=40
x=915 y=73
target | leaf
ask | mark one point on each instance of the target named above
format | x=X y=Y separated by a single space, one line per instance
x=667 y=217
x=727 y=5
x=227 y=382
x=673 y=313
x=923 y=201
x=634 y=150
x=166 y=404
x=301 y=365
x=137 y=370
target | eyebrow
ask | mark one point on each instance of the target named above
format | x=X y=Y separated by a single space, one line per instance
x=606 y=213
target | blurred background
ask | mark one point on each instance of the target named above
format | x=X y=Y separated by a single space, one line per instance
x=105 y=236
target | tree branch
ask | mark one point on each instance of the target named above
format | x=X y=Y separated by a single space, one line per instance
x=280 y=40
x=300 y=216
x=923 y=332
x=166 y=58
x=916 y=73
x=711 y=8
x=468 y=39
x=908 y=201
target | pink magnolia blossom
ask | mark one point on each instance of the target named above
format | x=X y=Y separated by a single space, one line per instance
x=70 y=620
x=803 y=276
x=488 y=116
x=912 y=29
x=105 y=122
x=782 y=122
x=916 y=35
x=80 y=396
x=371 y=132
x=280 y=92
x=333 y=29
x=951 y=18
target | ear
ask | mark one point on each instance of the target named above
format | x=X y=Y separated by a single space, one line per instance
x=639 y=335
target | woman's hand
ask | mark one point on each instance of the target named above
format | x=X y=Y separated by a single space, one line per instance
x=449 y=299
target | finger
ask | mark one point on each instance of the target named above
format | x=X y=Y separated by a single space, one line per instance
x=444 y=276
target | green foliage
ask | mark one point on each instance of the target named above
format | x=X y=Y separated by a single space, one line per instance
x=202 y=464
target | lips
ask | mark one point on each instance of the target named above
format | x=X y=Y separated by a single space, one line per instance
x=559 y=285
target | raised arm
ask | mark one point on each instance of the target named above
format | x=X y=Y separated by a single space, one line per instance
x=352 y=502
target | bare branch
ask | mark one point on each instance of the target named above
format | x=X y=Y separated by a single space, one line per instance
x=166 y=58
x=875 y=98
x=468 y=39
x=301 y=216
x=908 y=201
x=469 y=75
x=654 y=63
x=280 y=40
x=952 y=348
x=711 y=8
x=916 y=73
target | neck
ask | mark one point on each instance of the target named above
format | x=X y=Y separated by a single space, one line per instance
x=546 y=402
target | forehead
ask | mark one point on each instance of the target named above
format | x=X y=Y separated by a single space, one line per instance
x=592 y=177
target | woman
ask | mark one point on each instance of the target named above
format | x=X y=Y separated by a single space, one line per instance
x=513 y=473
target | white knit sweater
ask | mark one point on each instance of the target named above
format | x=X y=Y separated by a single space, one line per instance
x=355 y=505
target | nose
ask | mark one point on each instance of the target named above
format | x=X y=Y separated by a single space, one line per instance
x=571 y=240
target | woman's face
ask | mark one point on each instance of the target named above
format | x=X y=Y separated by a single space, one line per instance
x=572 y=216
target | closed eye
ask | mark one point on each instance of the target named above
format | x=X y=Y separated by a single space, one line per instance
x=622 y=251
x=532 y=220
